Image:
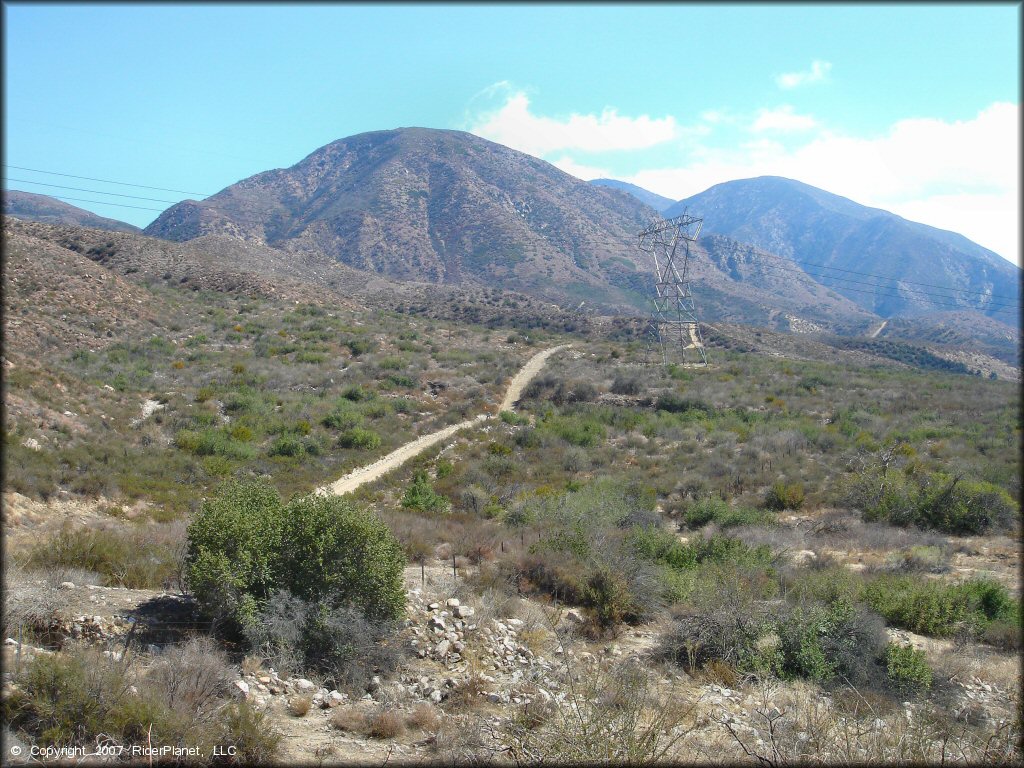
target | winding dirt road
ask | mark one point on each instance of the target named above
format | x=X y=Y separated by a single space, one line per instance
x=399 y=456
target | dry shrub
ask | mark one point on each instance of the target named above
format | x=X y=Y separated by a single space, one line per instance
x=798 y=726
x=466 y=693
x=720 y=673
x=192 y=677
x=28 y=602
x=610 y=715
x=251 y=665
x=350 y=719
x=385 y=725
x=424 y=717
x=538 y=640
x=299 y=706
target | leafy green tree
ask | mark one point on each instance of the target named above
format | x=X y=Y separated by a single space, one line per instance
x=233 y=559
x=245 y=545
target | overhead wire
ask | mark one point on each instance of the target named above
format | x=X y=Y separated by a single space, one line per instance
x=107 y=181
x=96 y=191
x=107 y=202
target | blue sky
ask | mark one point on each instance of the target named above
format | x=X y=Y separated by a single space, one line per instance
x=915 y=108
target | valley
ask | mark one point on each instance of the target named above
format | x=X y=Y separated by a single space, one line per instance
x=334 y=467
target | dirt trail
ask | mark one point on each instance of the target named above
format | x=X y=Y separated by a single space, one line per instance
x=878 y=330
x=399 y=456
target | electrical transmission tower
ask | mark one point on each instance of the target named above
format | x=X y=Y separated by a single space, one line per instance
x=674 y=325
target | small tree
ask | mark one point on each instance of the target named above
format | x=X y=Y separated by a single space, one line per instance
x=245 y=545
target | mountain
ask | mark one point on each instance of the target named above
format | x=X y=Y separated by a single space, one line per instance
x=806 y=224
x=441 y=206
x=656 y=201
x=32 y=207
x=450 y=208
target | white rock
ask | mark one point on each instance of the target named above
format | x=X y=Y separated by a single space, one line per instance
x=442 y=648
x=464 y=611
x=302 y=684
x=243 y=688
x=452 y=602
x=67 y=585
x=334 y=698
x=436 y=696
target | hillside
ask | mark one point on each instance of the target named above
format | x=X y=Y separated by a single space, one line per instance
x=656 y=201
x=806 y=224
x=449 y=208
x=32 y=207
x=437 y=206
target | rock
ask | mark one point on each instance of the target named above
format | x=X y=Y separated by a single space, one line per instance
x=436 y=696
x=464 y=611
x=452 y=602
x=334 y=699
x=514 y=623
x=437 y=623
x=264 y=679
x=32 y=444
x=433 y=607
x=302 y=684
x=242 y=689
x=574 y=616
x=441 y=649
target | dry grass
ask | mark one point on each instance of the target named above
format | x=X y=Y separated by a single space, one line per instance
x=424 y=717
x=350 y=719
x=299 y=706
x=385 y=725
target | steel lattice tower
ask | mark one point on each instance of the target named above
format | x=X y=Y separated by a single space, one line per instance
x=674 y=324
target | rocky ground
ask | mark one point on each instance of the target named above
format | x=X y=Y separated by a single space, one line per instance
x=473 y=666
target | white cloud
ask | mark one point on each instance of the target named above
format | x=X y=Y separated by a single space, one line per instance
x=960 y=176
x=585 y=172
x=816 y=74
x=783 y=120
x=515 y=126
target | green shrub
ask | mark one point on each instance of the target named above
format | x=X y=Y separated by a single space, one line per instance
x=342 y=419
x=286 y=445
x=938 y=609
x=674 y=403
x=234 y=561
x=719 y=511
x=421 y=496
x=784 y=496
x=660 y=546
x=359 y=438
x=358 y=394
x=931 y=500
x=245 y=545
x=515 y=419
x=907 y=669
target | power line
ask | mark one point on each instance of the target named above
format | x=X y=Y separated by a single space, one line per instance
x=842 y=283
x=914 y=291
x=901 y=280
x=106 y=202
x=107 y=181
x=97 y=191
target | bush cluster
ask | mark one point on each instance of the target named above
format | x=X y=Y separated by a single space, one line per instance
x=939 y=609
x=245 y=545
x=931 y=500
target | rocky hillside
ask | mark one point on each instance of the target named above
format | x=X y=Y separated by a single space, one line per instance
x=656 y=201
x=440 y=206
x=449 y=208
x=806 y=224
x=32 y=207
